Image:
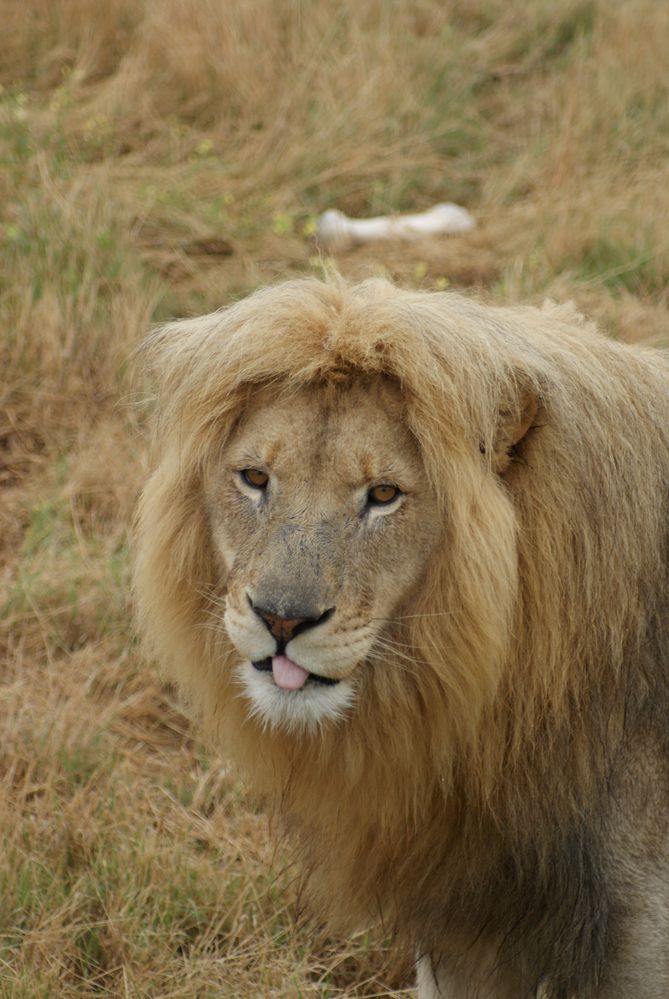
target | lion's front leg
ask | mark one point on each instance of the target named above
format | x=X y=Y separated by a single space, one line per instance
x=469 y=981
x=430 y=984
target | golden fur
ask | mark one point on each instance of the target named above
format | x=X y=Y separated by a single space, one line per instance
x=474 y=779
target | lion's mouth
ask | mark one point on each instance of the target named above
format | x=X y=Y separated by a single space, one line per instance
x=288 y=675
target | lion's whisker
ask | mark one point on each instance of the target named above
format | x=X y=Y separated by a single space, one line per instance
x=389 y=647
x=408 y=617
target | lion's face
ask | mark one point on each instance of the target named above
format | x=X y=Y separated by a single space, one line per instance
x=324 y=522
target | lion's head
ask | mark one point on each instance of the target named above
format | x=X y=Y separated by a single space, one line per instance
x=321 y=474
x=374 y=554
x=323 y=521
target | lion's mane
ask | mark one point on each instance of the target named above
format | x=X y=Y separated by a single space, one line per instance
x=445 y=799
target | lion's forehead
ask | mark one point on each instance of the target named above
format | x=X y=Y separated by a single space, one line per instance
x=336 y=437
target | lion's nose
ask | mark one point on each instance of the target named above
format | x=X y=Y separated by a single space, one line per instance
x=285 y=628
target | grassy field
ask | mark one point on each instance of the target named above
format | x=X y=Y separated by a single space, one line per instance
x=160 y=158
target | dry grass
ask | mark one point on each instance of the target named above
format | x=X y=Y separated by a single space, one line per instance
x=161 y=157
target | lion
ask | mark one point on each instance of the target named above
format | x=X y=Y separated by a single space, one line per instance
x=406 y=556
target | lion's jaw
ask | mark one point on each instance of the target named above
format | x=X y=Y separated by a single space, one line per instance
x=314 y=544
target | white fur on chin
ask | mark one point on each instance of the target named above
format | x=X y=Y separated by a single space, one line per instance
x=302 y=710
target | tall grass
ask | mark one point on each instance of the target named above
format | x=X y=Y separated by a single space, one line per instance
x=159 y=158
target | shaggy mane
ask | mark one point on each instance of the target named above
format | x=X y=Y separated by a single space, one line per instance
x=531 y=636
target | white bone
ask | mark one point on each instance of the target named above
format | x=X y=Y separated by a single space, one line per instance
x=337 y=231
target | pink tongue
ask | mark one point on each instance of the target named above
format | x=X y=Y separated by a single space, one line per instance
x=288 y=674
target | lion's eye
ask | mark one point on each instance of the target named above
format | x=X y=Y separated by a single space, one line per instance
x=255 y=478
x=382 y=495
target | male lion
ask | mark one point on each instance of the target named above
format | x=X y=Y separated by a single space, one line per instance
x=406 y=555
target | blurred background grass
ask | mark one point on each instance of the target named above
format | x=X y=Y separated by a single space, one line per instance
x=160 y=158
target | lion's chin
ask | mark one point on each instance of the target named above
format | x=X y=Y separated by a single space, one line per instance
x=320 y=701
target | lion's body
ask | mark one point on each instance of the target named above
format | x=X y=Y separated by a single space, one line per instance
x=495 y=783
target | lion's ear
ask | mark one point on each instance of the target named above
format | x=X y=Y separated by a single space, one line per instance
x=514 y=421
